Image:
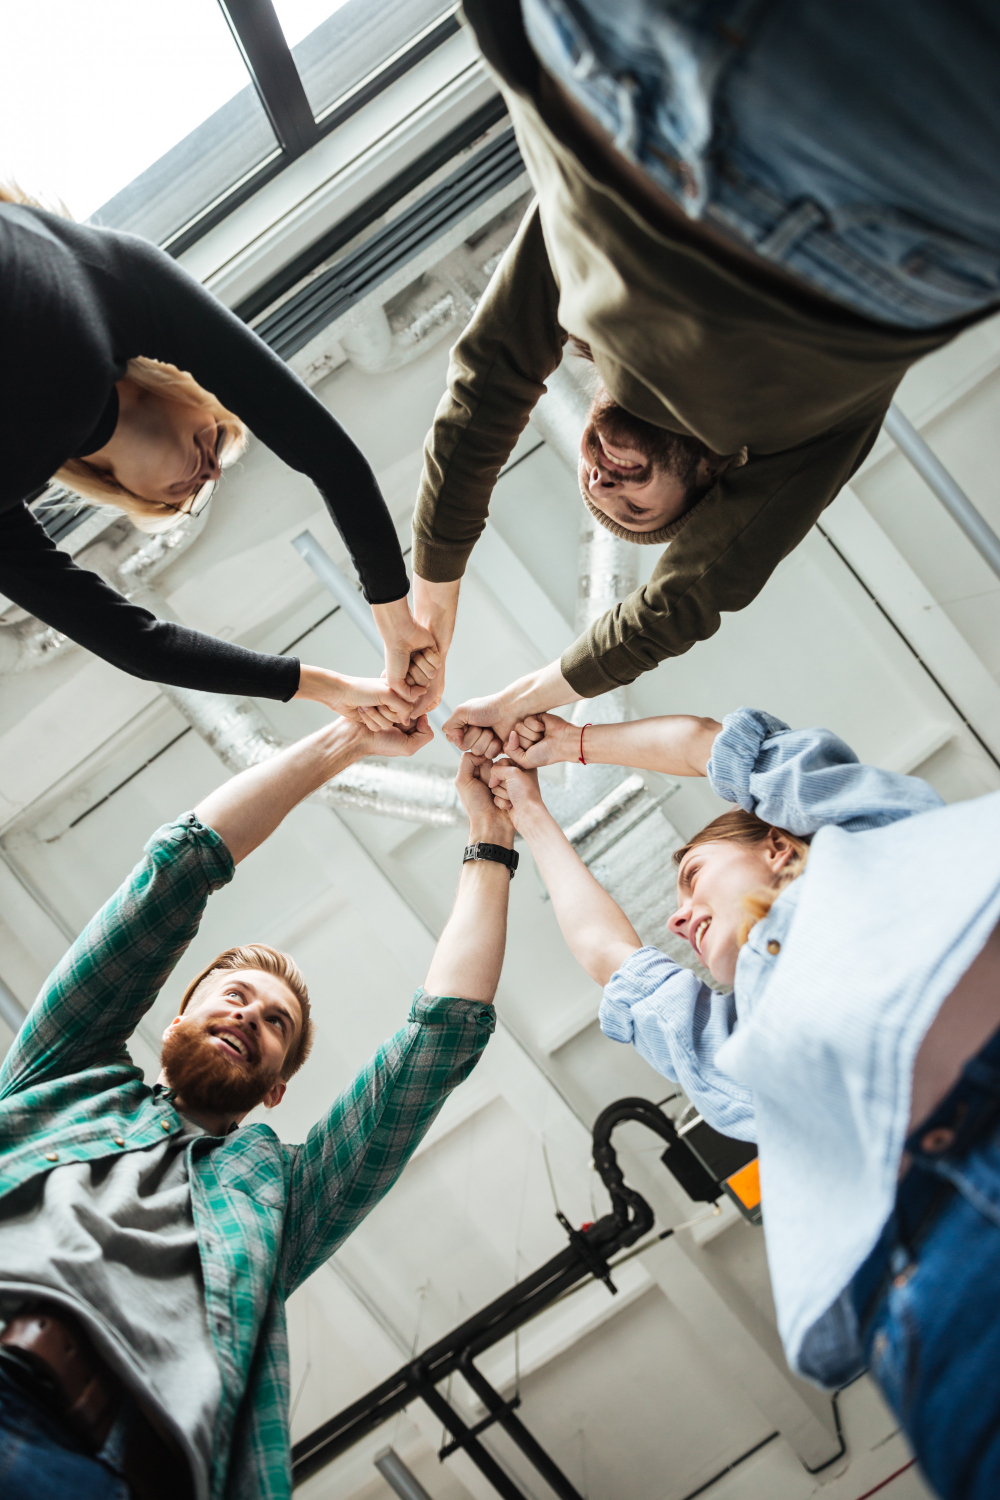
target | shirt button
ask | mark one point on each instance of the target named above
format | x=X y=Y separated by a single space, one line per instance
x=119 y=1141
x=774 y=946
x=936 y=1141
x=164 y=1124
x=52 y=1156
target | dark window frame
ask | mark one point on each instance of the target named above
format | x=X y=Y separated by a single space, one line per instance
x=275 y=77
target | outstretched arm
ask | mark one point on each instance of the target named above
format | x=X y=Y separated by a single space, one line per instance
x=469 y=955
x=597 y=931
x=676 y=744
x=247 y=809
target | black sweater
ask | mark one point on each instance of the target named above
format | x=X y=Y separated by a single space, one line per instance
x=76 y=304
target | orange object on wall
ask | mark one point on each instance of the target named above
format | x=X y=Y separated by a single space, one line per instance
x=746 y=1184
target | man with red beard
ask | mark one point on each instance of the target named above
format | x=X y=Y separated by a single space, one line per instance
x=147 y=1243
x=753 y=219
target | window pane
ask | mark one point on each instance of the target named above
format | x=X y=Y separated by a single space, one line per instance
x=101 y=96
x=355 y=38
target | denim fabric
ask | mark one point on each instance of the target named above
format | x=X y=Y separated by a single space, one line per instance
x=928 y=1297
x=853 y=144
x=39 y=1459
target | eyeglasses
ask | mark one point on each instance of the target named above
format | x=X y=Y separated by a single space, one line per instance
x=197 y=502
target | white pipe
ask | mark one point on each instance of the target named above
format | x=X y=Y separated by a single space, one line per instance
x=239 y=734
x=350 y=600
x=398 y=1476
x=954 y=499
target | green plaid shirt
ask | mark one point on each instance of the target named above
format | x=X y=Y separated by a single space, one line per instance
x=266 y=1214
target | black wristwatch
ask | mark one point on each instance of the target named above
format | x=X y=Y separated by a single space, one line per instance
x=495 y=852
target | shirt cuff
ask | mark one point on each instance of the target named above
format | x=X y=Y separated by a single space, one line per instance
x=187 y=840
x=736 y=751
x=438 y=563
x=449 y=1010
x=640 y=976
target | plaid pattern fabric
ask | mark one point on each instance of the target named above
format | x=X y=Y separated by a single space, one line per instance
x=267 y=1214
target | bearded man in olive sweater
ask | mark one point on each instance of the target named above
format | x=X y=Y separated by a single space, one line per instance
x=753 y=225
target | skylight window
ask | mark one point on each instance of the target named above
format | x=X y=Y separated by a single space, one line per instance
x=160 y=117
x=93 y=95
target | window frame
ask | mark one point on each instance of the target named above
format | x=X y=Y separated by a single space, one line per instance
x=257 y=33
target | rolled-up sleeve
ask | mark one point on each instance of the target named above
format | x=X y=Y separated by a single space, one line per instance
x=678 y=1025
x=353 y=1155
x=803 y=779
x=94 y=999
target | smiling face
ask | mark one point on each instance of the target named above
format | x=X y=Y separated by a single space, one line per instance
x=161 y=450
x=225 y=1054
x=640 y=475
x=713 y=882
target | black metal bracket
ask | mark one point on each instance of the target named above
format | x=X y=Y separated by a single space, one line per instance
x=489 y=1420
x=586 y=1257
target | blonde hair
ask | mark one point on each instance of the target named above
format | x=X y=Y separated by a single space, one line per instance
x=739 y=827
x=160 y=379
x=265 y=960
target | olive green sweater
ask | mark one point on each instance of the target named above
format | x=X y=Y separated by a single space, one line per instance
x=678 y=338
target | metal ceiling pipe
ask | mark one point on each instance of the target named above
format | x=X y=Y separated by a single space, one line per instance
x=238 y=733
x=954 y=499
x=29 y=643
x=398 y=1476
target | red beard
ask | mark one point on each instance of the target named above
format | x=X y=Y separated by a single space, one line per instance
x=206 y=1080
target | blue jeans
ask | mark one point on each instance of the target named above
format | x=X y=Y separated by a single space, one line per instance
x=41 y=1460
x=855 y=144
x=928 y=1297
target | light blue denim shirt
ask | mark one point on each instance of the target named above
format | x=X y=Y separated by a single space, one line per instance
x=812 y=1055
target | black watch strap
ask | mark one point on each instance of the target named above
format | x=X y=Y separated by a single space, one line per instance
x=495 y=852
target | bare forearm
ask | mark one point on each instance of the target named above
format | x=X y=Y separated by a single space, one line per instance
x=597 y=931
x=469 y=955
x=676 y=744
x=247 y=809
x=436 y=605
x=539 y=692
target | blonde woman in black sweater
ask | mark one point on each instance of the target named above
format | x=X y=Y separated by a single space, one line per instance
x=120 y=376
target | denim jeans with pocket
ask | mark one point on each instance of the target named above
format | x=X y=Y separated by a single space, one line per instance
x=928 y=1297
x=856 y=144
x=41 y=1460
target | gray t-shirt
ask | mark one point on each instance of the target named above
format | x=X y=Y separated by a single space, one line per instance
x=114 y=1241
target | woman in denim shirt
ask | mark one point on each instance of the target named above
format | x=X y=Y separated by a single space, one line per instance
x=856 y=1043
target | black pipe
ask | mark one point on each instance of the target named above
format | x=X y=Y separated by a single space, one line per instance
x=464 y=1436
x=586 y=1256
x=517 y=1432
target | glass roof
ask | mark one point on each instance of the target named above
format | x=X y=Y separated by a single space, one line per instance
x=100 y=92
x=142 y=116
x=355 y=38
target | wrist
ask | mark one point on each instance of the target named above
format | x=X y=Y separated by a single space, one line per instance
x=533 y=819
x=484 y=829
x=344 y=741
x=435 y=606
x=319 y=685
x=392 y=619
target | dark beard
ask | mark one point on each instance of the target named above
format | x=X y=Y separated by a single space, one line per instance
x=205 y=1080
x=665 y=452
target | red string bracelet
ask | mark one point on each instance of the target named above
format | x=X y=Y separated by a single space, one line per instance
x=581 y=759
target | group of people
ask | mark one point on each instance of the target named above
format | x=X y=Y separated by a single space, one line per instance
x=752 y=218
